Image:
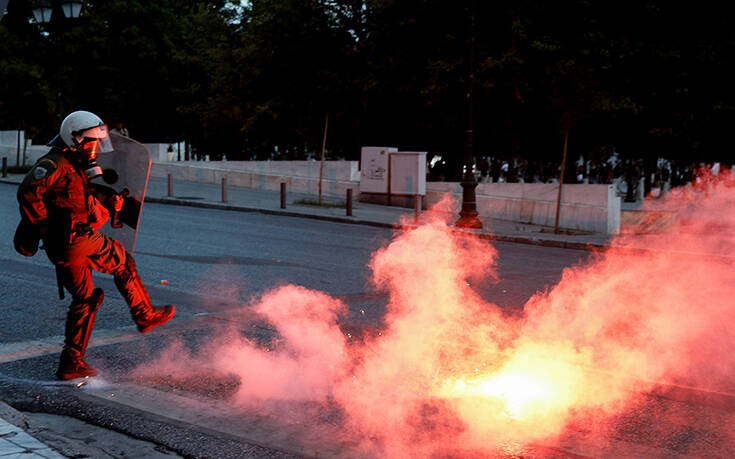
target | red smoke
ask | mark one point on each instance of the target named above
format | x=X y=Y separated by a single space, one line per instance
x=307 y=361
x=450 y=370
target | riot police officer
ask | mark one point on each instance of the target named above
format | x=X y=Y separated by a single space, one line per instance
x=60 y=206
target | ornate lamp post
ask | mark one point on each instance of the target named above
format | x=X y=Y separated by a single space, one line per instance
x=468 y=214
x=45 y=13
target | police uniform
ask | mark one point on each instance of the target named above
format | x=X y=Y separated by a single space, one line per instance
x=65 y=210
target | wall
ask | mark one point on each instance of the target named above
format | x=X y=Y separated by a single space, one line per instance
x=299 y=176
x=159 y=151
x=333 y=170
x=9 y=146
x=584 y=207
x=8 y=138
x=32 y=153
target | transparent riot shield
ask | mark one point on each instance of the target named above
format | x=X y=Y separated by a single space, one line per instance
x=125 y=171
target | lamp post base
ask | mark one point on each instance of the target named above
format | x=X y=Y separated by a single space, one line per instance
x=468 y=221
x=468 y=214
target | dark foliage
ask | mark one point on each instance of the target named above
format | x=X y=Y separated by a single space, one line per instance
x=257 y=79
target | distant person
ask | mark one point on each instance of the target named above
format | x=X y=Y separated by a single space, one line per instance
x=495 y=170
x=120 y=130
x=59 y=205
x=484 y=167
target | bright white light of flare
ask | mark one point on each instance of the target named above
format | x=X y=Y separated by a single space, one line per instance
x=517 y=391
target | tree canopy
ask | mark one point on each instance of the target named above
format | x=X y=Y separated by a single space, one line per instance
x=256 y=79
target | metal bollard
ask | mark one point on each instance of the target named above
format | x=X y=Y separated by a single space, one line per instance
x=170 y=186
x=349 y=202
x=283 y=195
x=224 y=189
x=417 y=208
x=5 y=166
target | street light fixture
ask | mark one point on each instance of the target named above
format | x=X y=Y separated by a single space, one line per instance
x=46 y=13
x=71 y=8
x=42 y=11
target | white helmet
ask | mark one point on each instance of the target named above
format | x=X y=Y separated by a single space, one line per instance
x=85 y=133
x=75 y=126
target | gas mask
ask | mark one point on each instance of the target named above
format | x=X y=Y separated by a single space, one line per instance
x=88 y=145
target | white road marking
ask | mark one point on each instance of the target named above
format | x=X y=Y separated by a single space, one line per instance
x=21 y=350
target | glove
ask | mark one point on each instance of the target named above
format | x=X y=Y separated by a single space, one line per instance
x=116 y=202
x=98 y=215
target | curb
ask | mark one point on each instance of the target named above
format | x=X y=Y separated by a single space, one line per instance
x=696 y=396
x=530 y=240
x=355 y=221
x=185 y=439
x=283 y=213
x=590 y=247
x=13 y=416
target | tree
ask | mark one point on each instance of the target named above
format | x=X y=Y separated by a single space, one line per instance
x=25 y=92
x=647 y=78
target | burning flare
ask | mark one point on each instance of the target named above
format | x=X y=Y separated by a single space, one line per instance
x=450 y=368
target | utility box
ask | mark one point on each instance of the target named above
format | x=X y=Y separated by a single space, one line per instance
x=374 y=165
x=407 y=173
x=392 y=177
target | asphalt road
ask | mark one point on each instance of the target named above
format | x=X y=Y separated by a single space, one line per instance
x=212 y=263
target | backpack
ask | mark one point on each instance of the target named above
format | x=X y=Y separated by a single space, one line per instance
x=26 y=239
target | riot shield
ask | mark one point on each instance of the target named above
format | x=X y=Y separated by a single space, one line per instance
x=125 y=171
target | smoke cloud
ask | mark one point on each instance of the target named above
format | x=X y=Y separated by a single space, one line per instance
x=451 y=372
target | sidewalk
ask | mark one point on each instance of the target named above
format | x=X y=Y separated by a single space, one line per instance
x=47 y=436
x=251 y=200
x=207 y=195
x=16 y=442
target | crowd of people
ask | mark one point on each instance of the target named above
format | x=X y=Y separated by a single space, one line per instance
x=608 y=171
x=654 y=179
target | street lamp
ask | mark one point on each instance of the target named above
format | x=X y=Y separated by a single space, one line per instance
x=71 y=8
x=468 y=214
x=44 y=13
x=44 y=9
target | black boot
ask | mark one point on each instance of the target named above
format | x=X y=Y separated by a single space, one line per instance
x=79 y=325
x=145 y=315
x=149 y=317
x=70 y=368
